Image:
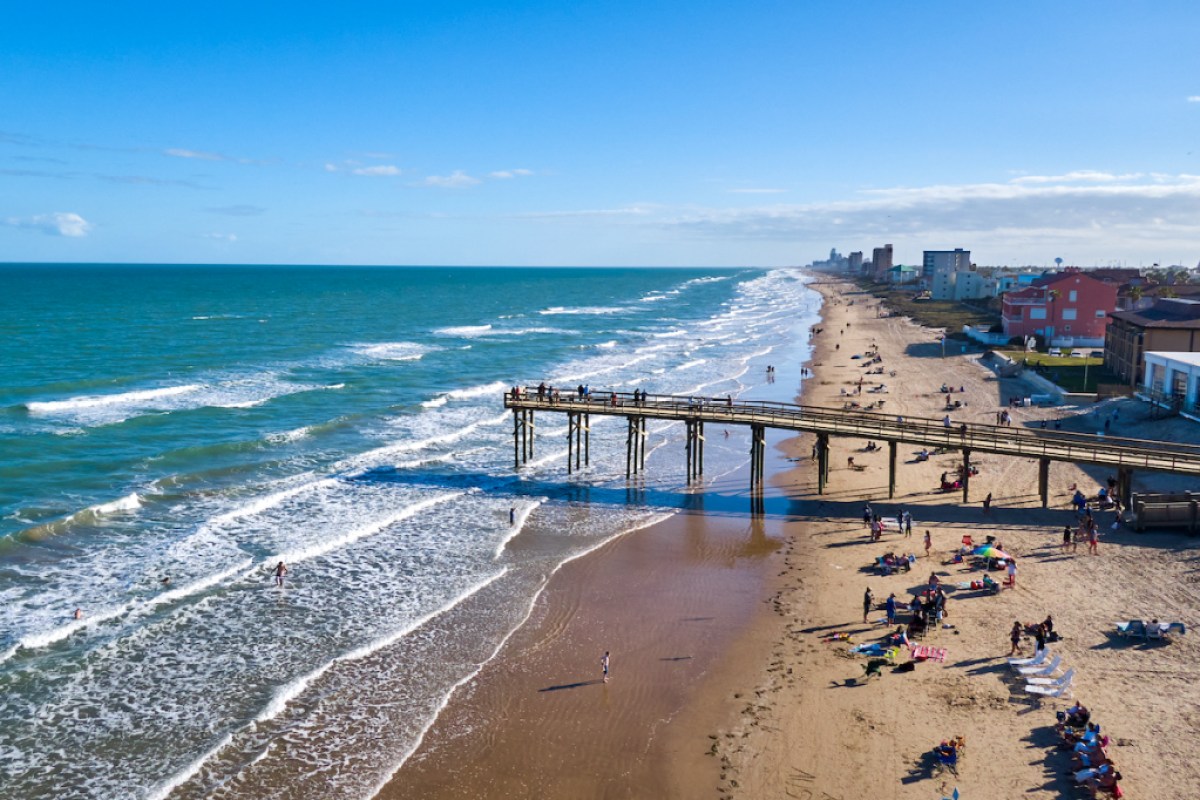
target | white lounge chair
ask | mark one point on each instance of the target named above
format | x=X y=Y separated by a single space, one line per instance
x=1065 y=678
x=1043 y=670
x=1038 y=658
x=1048 y=691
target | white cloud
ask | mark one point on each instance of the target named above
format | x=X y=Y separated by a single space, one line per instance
x=180 y=153
x=1194 y=98
x=381 y=169
x=506 y=174
x=59 y=223
x=1111 y=214
x=1082 y=175
x=455 y=180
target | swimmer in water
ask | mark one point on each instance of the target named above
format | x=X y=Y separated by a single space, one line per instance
x=281 y=572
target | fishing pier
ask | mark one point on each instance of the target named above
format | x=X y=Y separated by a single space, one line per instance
x=1122 y=454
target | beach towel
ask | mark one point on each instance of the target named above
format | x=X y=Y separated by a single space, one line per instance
x=928 y=653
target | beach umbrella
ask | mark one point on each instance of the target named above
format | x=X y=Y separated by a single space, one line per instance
x=990 y=551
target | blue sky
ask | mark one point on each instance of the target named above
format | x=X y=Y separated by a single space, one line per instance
x=621 y=133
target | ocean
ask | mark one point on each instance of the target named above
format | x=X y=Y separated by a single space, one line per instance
x=204 y=423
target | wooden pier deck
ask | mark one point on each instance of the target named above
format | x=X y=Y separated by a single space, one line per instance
x=1123 y=454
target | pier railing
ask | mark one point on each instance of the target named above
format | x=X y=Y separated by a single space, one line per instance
x=1103 y=449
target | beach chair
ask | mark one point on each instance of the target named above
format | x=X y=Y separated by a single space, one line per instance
x=1065 y=678
x=1155 y=633
x=1042 y=670
x=1038 y=658
x=968 y=542
x=1048 y=691
x=1135 y=628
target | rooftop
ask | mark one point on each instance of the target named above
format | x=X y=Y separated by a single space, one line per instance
x=1192 y=359
x=1175 y=312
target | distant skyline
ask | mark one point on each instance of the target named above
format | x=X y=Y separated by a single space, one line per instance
x=619 y=133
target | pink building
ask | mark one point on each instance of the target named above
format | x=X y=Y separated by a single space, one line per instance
x=1067 y=308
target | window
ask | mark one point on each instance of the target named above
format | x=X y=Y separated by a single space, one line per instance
x=1069 y=313
x=1099 y=313
x=1037 y=313
x=1072 y=295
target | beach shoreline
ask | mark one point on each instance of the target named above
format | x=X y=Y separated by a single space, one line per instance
x=772 y=707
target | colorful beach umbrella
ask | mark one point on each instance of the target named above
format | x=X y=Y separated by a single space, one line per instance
x=990 y=551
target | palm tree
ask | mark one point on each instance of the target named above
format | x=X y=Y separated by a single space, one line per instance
x=1135 y=294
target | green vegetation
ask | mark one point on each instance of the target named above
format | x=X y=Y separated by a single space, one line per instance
x=932 y=313
x=1068 y=373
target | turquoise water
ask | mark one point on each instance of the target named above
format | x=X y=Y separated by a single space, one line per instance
x=203 y=423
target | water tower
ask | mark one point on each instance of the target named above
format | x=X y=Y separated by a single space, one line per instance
x=1058 y=263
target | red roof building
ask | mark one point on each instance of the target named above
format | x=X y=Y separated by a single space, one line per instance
x=1065 y=308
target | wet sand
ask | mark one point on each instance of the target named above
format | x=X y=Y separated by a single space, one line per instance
x=674 y=604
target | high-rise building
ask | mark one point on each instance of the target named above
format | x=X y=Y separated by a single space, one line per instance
x=881 y=262
x=855 y=262
x=957 y=260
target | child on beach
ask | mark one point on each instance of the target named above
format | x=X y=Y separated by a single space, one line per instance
x=928 y=543
x=1015 y=637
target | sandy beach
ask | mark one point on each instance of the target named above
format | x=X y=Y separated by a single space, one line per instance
x=724 y=683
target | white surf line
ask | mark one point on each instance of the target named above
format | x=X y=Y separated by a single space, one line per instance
x=34 y=641
x=370 y=529
x=294 y=688
x=93 y=401
x=165 y=788
x=262 y=504
x=523 y=512
x=408 y=753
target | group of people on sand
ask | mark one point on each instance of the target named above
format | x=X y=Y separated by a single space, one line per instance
x=1091 y=766
x=1041 y=632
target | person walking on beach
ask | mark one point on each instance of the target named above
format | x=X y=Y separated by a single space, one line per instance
x=1094 y=539
x=907 y=525
x=604 y=665
x=987 y=503
x=1012 y=573
x=868 y=601
x=928 y=543
x=512 y=515
x=868 y=515
x=891 y=609
x=1015 y=637
x=281 y=572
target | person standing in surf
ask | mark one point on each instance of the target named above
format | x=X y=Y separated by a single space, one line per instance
x=604 y=665
x=281 y=572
